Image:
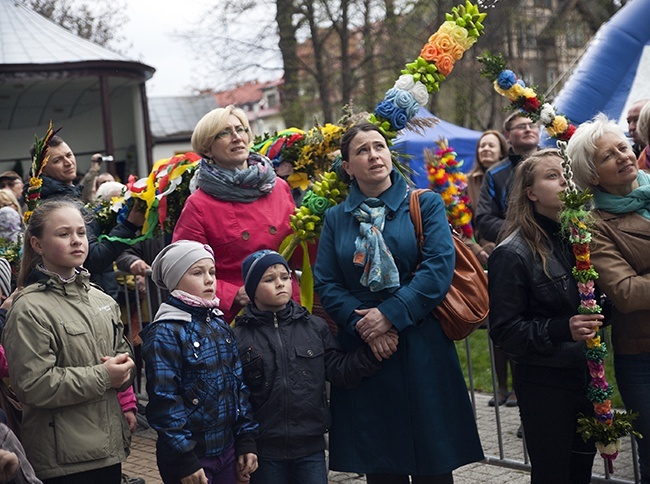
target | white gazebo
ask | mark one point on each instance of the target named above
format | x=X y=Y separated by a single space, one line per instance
x=97 y=96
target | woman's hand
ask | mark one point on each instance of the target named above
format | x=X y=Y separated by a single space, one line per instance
x=246 y=465
x=197 y=478
x=242 y=298
x=384 y=345
x=483 y=258
x=584 y=326
x=372 y=324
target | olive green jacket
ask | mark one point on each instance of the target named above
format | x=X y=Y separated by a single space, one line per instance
x=55 y=337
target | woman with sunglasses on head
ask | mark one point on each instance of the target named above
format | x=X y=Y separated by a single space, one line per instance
x=240 y=205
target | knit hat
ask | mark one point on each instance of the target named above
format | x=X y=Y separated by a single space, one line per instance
x=5 y=277
x=174 y=260
x=255 y=265
x=10 y=224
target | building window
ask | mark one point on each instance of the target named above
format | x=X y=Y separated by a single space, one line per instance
x=272 y=100
x=527 y=37
x=576 y=34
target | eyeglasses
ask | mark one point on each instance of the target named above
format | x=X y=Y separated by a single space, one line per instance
x=523 y=127
x=229 y=134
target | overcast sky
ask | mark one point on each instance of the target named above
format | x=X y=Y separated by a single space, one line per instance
x=149 y=30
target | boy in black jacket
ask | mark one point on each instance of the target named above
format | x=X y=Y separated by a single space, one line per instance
x=287 y=355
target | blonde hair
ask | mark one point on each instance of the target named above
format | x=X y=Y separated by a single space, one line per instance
x=213 y=123
x=36 y=227
x=8 y=197
x=521 y=211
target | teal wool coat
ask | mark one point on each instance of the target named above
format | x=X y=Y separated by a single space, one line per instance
x=414 y=416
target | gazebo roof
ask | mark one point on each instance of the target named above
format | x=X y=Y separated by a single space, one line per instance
x=47 y=72
x=27 y=37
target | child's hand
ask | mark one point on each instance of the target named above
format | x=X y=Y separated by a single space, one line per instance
x=129 y=415
x=383 y=346
x=246 y=465
x=119 y=367
x=9 y=465
x=197 y=478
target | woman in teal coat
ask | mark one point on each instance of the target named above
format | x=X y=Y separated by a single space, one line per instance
x=414 y=416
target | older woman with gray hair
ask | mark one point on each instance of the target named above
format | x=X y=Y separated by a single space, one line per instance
x=603 y=161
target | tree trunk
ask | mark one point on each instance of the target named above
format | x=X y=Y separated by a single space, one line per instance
x=292 y=111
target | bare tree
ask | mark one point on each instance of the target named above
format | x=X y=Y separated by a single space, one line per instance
x=97 y=21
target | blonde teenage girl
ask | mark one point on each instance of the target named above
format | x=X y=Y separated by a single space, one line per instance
x=67 y=355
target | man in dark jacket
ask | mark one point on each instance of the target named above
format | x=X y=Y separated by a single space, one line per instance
x=58 y=182
x=522 y=135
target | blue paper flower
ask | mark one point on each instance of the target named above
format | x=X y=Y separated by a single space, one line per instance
x=506 y=79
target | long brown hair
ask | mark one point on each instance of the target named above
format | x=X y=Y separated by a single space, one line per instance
x=521 y=213
x=503 y=146
x=36 y=227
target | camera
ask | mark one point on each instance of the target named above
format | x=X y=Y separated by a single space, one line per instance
x=107 y=158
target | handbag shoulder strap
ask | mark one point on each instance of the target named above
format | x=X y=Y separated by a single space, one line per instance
x=416 y=216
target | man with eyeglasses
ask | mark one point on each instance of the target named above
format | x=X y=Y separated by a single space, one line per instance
x=522 y=135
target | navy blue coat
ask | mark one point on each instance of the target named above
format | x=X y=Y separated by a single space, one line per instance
x=414 y=416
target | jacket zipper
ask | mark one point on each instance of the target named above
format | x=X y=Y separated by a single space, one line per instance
x=285 y=383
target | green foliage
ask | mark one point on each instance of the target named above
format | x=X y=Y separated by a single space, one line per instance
x=589 y=427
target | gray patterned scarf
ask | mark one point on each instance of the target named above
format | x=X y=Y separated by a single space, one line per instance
x=244 y=186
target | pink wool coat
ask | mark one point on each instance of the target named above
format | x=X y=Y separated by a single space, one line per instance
x=234 y=230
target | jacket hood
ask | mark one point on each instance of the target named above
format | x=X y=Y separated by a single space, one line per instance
x=253 y=315
x=176 y=309
x=42 y=281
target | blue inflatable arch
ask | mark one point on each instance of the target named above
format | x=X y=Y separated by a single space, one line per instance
x=615 y=70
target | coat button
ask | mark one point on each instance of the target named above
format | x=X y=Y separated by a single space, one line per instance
x=245 y=235
x=195 y=401
x=310 y=353
x=228 y=340
x=197 y=344
x=273 y=230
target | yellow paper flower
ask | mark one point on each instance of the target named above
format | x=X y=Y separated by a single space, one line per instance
x=593 y=343
x=298 y=180
x=560 y=124
x=529 y=93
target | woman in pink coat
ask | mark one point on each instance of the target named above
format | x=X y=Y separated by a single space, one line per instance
x=240 y=205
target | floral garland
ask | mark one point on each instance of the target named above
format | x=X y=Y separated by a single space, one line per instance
x=394 y=113
x=39 y=160
x=447 y=179
x=526 y=99
x=162 y=195
x=459 y=32
x=606 y=427
x=310 y=153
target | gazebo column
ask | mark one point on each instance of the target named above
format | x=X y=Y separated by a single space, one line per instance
x=107 y=126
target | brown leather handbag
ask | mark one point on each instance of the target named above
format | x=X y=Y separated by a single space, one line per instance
x=466 y=305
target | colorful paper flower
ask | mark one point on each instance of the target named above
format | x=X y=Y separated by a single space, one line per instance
x=523 y=98
x=605 y=427
x=458 y=33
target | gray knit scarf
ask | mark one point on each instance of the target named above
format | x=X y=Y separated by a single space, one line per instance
x=243 y=186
